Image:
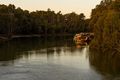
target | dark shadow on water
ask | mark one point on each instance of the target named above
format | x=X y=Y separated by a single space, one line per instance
x=18 y=47
x=107 y=64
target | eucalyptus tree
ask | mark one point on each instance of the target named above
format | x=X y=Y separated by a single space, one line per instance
x=105 y=23
x=14 y=21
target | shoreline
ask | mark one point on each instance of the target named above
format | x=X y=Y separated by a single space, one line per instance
x=4 y=38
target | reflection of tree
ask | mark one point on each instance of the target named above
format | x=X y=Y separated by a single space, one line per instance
x=58 y=51
x=16 y=48
x=105 y=63
x=50 y=53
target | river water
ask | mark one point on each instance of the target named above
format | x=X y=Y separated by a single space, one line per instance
x=55 y=59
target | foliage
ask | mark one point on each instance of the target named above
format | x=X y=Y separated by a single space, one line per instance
x=105 y=23
x=15 y=21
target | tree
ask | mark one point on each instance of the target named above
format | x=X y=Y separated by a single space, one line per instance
x=105 y=22
x=17 y=21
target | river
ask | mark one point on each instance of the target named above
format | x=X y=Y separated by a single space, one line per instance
x=55 y=59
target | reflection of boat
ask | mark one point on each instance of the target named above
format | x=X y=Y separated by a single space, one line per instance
x=83 y=38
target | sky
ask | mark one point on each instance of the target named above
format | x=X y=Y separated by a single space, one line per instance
x=65 y=6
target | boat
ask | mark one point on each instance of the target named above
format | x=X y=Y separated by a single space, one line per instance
x=83 y=38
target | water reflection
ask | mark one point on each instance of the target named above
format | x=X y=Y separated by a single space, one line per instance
x=61 y=51
x=16 y=48
x=106 y=63
x=55 y=50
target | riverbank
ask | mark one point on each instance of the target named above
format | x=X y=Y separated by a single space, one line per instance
x=4 y=38
x=36 y=35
